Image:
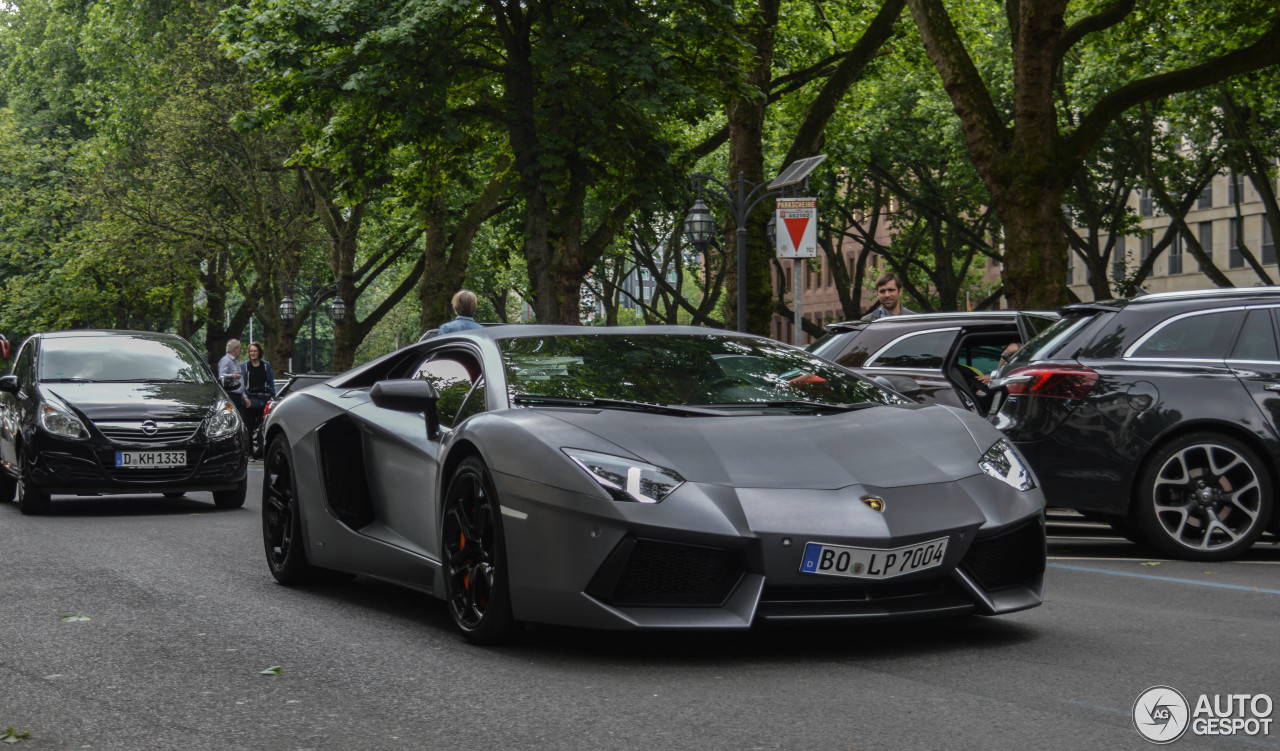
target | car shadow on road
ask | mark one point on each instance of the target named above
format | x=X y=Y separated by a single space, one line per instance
x=126 y=505
x=791 y=642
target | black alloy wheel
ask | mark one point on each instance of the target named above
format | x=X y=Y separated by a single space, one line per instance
x=1204 y=497
x=281 y=520
x=32 y=499
x=475 y=566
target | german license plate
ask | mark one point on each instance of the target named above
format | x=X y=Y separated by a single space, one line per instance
x=151 y=459
x=872 y=563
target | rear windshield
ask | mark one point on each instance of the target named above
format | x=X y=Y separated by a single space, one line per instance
x=120 y=358
x=1044 y=345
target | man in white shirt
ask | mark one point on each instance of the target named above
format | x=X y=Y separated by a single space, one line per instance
x=229 y=365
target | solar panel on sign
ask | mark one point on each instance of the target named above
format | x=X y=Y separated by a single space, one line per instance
x=796 y=171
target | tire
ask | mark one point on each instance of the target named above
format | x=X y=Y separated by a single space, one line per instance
x=8 y=488
x=32 y=499
x=282 y=519
x=475 y=558
x=1203 y=497
x=233 y=498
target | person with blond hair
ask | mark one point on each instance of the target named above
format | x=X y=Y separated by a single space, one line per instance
x=464 y=308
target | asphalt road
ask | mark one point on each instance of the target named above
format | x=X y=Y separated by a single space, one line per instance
x=185 y=618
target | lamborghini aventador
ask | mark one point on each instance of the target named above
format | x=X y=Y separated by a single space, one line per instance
x=646 y=478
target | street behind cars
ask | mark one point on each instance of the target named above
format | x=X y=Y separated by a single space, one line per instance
x=103 y=412
x=1157 y=414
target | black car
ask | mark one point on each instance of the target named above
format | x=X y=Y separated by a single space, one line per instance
x=103 y=412
x=1158 y=414
x=935 y=358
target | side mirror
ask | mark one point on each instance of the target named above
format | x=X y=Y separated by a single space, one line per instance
x=412 y=395
x=230 y=383
x=904 y=385
x=9 y=384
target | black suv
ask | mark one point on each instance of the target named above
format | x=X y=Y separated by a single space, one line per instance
x=934 y=357
x=96 y=412
x=1158 y=414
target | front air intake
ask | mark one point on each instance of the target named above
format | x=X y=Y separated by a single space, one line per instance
x=653 y=573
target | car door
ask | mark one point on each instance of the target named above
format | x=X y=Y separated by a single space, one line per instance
x=1255 y=360
x=403 y=463
x=918 y=355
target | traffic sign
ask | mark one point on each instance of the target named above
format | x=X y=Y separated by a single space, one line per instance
x=797 y=227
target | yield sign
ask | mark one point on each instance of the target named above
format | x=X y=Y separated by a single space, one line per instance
x=798 y=227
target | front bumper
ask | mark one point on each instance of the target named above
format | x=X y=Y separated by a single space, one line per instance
x=719 y=558
x=88 y=467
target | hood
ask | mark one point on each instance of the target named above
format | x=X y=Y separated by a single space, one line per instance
x=881 y=446
x=138 y=401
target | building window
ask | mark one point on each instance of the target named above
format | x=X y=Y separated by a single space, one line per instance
x=1144 y=248
x=1235 y=189
x=1206 y=240
x=1206 y=197
x=1144 y=202
x=1117 y=259
x=1175 y=256
x=1071 y=268
x=1235 y=259
x=1268 y=243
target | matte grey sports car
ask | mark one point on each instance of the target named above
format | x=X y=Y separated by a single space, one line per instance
x=646 y=478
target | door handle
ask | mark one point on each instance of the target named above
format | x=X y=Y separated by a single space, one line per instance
x=1272 y=387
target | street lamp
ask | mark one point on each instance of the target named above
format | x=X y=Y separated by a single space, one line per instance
x=312 y=294
x=741 y=197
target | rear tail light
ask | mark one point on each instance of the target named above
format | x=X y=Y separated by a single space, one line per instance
x=1057 y=381
x=266 y=408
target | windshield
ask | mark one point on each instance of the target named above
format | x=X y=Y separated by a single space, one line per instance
x=679 y=369
x=119 y=358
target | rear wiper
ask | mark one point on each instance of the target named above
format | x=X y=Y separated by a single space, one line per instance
x=575 y=401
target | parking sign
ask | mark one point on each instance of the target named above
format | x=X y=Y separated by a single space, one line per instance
x=797 y=227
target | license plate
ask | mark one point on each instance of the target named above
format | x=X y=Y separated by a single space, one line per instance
x=871 y=563
x=151 y=459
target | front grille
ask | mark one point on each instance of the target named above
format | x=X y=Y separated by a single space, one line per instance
x=162 y=433
x=879 y=600
x=1008 y=559
x=651 y=573
x=148 y=475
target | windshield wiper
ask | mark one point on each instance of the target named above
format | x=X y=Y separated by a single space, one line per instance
x=797 y=404
x=67 y=380
x=575 y=401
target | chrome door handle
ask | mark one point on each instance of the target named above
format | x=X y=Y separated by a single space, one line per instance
x=1272 y=387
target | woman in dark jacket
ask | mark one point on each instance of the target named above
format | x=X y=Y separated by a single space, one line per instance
x=259 y=388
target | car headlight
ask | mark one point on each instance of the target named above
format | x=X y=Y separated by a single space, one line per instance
x=1003 y=463
x=627 y=479
x=61 y=423
x=225 y=420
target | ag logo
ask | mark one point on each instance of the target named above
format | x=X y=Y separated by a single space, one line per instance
x=1161 y=714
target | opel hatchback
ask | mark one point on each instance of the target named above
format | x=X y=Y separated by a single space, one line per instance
x=116 y=412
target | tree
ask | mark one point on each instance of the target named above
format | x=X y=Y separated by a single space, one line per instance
x=1018 y=141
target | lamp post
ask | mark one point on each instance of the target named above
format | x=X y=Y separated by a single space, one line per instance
x=313 y=295
x=742 y=197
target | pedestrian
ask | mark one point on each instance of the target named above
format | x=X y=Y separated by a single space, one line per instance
x=464 y=308
x=889 y=291
x=259 y=388
x=229 y=365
